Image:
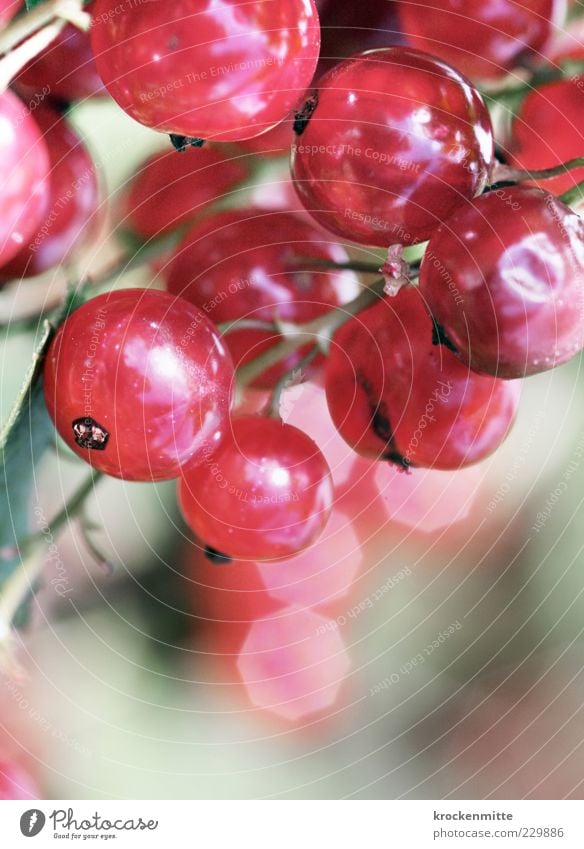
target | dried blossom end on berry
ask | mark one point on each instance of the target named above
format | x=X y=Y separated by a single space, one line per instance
x=90 y=434
x=395 y=270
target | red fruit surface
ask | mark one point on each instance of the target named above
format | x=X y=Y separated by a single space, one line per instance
x=480 y=38
x=396 y=142
x=394 y=395
x=504 y=277
x=264 y=492
x=24 y=173
x=65 y=70
x=71 y=216
x=548 y=130
x=151 y=371
x=171 y=188
x=225 y=72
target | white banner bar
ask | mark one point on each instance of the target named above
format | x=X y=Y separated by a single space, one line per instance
x=294 y=824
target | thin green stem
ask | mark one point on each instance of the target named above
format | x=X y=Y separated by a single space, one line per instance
x=288 y=379
x=22 y=581
x=504 y=173
x=317 y=332
x=26 y=25
x=228 y=327
x=573 y=195
x=351 y=265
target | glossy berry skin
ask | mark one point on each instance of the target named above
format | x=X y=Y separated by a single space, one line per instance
x=171 y=188
x=394 y=395
x=257 y=265
x=140 y=378
x=482 y=39
x=66 y=69
x=24 y=171
x=504 y=277
x=265 y=492
x=220 y=71
x=397 y=140
x=71 y=216
x=548 y=130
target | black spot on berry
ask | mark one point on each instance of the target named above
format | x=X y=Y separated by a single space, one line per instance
x=439 y=337
x=181 y=143
x=381 y=426
x=398 y=460
x=302 y=118
x=214 y=556
x=90 y=434
x=500 y=155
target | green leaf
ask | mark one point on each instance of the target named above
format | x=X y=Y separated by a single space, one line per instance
x=30 y=4
x=23 y=440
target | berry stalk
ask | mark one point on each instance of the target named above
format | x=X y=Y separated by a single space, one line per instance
x=317 y=332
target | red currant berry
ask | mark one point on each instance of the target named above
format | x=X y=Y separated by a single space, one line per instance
x=504 y=277
x=71 y=216
x=259 y=265
x=481 y=38
x=548 y=129
x=265 y=492
x=396 y=141
x=224 y=72
x=24 y=171
x=170 y=188
x=138 y=383
x=65 y=71
x=8 y=9
x=394 y=395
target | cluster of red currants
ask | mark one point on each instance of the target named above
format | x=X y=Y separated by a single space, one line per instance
x=392 y=148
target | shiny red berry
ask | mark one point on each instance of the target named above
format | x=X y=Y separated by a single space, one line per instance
x=71 y=216
x=394 y=395
x=221 y=71
x=265 y=492
x=548 y=130
x=24 y=172
x=138 y=383
x=504 y=277
x=395 y=141
x=171 y=188
x=259 y=266
x=482 y=38
x=65 y=71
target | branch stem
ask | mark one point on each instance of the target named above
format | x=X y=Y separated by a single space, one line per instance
x=26 y=25
x=21 y=582
x=506 y=173
x=318 y=332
